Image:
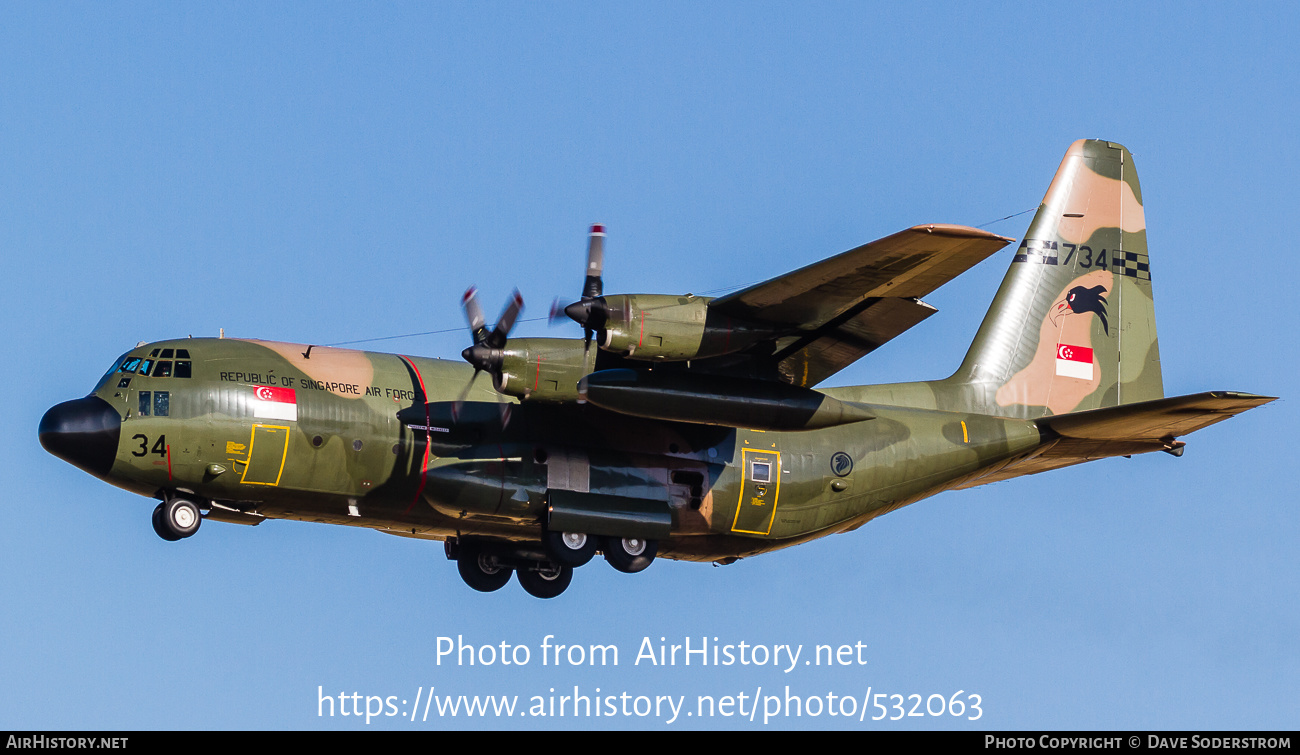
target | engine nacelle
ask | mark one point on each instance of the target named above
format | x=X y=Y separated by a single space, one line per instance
x=673 y=328
x=544 y=369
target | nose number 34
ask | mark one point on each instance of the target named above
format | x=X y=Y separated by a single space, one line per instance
x=159 y=447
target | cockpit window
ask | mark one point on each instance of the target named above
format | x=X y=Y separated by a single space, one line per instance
x=146 y=401
x=116 y=367
x=161 y=367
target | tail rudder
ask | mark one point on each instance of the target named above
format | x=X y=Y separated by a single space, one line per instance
x=1073 y=324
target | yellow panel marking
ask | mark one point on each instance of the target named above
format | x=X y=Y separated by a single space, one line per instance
x=744 y=479
x=253 y=439
x=964 y=437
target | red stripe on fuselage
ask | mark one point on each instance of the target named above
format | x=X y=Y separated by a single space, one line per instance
x=424 y=465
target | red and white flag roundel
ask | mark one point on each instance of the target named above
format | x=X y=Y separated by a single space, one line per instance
x=1074 y=361
x=270 y=402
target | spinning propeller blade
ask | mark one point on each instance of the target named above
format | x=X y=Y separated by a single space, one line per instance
x=591 y=311
x=594 y=285
x=485 y=353
x=474 y=314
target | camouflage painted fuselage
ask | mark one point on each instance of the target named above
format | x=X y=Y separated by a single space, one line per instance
x=344 y=457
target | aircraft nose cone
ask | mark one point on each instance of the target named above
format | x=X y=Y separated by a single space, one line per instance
x=83 y=432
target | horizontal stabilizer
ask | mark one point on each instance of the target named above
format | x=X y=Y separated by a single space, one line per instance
x=1153 y=420
x=1120 y=431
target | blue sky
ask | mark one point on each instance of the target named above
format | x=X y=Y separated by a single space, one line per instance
x=323 y=173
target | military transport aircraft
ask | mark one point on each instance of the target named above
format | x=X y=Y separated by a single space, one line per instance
x=684 y=427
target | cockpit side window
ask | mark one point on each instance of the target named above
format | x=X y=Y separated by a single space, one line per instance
x=164 y=368
x=145 y=366
x=157 y=403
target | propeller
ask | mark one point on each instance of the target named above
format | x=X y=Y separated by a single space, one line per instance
x=591 y=311
x=485 y=355
x=556 y=315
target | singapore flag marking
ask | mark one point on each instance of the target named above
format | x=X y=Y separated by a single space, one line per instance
x=1074 y=361
x=270 y=402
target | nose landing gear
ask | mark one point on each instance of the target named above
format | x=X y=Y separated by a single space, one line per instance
x=176 y=518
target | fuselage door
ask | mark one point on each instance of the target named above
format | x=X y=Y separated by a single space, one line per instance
x=759 y=488
x=266 y=452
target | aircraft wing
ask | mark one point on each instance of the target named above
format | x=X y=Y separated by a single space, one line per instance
x=849 y=305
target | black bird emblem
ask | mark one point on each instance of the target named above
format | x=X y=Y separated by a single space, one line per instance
x=1079 y=300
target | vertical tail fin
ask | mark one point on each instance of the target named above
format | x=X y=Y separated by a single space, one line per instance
x=1073 y=326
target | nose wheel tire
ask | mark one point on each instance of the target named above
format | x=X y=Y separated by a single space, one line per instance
x=545 y=580
x=176 y=518
x=482 y=570
x=630 y=554
x=160 y=528
x=570 y=548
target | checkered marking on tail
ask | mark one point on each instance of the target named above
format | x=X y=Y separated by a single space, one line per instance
x=1038 y=251
x=1133 y=265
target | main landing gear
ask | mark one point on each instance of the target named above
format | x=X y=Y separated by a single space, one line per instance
x=481 y=568
x=547 y=571
x=630 y=554
x=176 y=518
x=545 y=580
x=570 y=548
